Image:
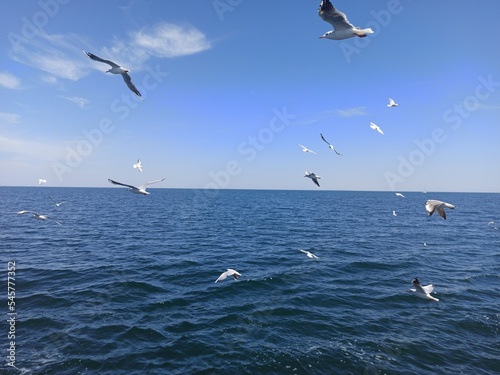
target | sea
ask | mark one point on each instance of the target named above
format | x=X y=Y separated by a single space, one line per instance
x=126 y=284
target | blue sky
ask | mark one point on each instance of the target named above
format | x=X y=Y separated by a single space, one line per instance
x=231 y=87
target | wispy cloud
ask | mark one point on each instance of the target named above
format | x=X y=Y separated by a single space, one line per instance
x=350 y=112
x=9 y=81
x=79 y=101
x=10 y=118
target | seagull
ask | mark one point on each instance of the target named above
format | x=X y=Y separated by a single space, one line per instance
x=138 y=165
x=376 y=127
x=57 y=204
x=313 y=177
x=343 y=29
x=229 y=272
x=425 y=244
x=305 y=149
x=116 y=69
x=394 y=213
x=330 y=145
x=438 y=206
x=423 y=291
x=309 y=254
x=41 y=181
x=37 y=216
x=392 y=103
x=137 y=190
x=400 y=195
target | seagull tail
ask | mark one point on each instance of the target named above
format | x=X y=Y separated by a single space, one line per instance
x=363 y=32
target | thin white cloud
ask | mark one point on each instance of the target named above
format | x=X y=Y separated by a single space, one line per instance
x=79 y=101
x=350 y=112
x=11 y=118
x=9 y=81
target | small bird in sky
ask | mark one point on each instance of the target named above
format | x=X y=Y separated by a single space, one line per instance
x=117 y=69
x=138 y=165
x=343 y=29
x=329 y=145
x=313 y=177
x=392 y=103
x=376 y=127
x=433 y=205
x=305 y=149
x=230 y=272
x=41 y=181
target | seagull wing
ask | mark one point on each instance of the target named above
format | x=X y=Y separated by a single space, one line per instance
x=97 y=58
x=329 y=14
x=315 y=180
x=441 y=212
x=131 y=86
x=27 y=212
x=119 y=183
x=338 y=153
x=223 y=276
x=323 y=138
x=428 y=288
x=144 y=186
x=53 y=200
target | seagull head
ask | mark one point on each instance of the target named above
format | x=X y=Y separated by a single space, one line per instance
x=325 y=35
x=415 y=281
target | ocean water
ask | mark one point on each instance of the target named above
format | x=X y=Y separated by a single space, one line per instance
x=126 y=284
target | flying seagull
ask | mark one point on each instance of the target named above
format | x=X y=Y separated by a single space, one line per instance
x=305 y=149
x=343 y=29
x=137 y=190
x=392 y=103
x=437 y=206
x=57 y=204
x=423 y=291
x=41 y=181
x=309 y=254
x=330 y=145
x=37 y=216
x=394 y=213
x=138 y=165
x=117 y=69
x=376 y=127
x=229 y=272
x=313 y=177
x=400 y=195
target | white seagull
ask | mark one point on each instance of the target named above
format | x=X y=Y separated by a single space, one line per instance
x=423 y=291
x=309 y=254
x=343 y=29
x=376 y=127
x=400 y=195
x=305 y=149
x=313 y=177
x=116 y=69
x=138 y=165
x=394 y=213
x=41 y=181
x=437 y=206
x=57 y=204
x=230 y=272
x=37 y=216
x=392 y=103
x=330 y=145
x=139 y=189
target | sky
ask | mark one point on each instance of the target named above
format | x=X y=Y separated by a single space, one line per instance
x=232 y=87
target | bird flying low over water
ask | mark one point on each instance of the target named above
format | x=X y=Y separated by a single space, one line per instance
x=137 y=190
x=433 y=205
x=117 y=69
x=57 y=204
x=342 y=28
x=309 y=254
x=313 y=177
x=138 y=165
x=37 y=216
x=305 y=149
x=400 y=195
x=392 y=103
x=330 y=145
x=41 y=181
x=423 y=291
x=230 y=272
x=376 y=127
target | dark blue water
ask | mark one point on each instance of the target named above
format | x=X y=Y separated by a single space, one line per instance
x=126 y=284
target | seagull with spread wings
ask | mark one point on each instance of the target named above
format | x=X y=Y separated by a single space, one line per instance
x=37 y=216
x=313 y=176
x=376 y=127
x=343 y=29
x=137 y=189
x=330 y=145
